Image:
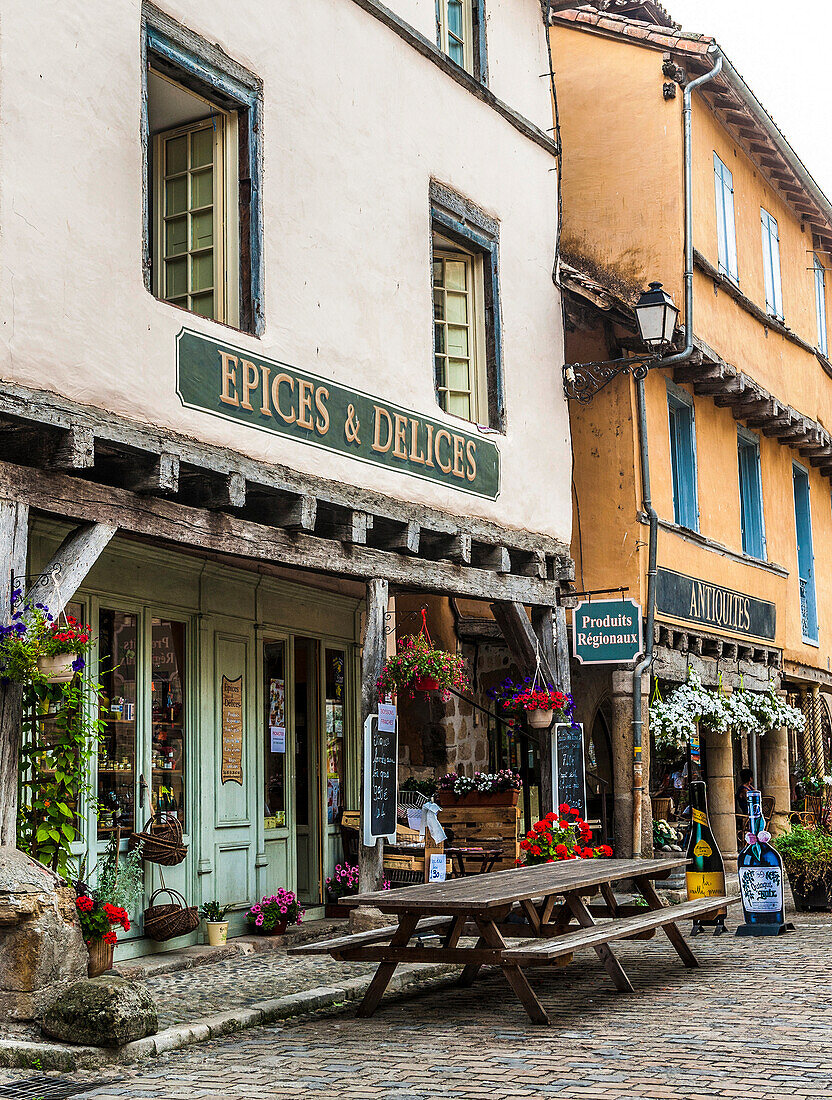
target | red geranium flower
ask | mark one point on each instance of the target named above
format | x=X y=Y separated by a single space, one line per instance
x=85 y=904
x=564 y=808
x=110 y=937
x=562 y=851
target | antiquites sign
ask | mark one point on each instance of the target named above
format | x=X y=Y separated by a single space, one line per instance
x=606 y=632
x=275 y=397
x=713 y=606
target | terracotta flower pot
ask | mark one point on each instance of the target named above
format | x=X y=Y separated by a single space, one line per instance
x=426 y=683
x=101 y=958
x=277 y=930
x=217 y=932
x=58 y=669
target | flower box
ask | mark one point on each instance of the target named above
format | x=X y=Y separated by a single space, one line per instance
x=426 y=683
x=58 y=669
x=477 y=798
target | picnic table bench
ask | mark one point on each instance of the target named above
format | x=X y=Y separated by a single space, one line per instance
x=534 y=904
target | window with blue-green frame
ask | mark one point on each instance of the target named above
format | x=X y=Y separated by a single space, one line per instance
x=683 y=457
x=460 y=33
x=751 y=495
x=805 y=554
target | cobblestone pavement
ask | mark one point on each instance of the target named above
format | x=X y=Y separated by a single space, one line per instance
x=194 y=994
x=755 y=1021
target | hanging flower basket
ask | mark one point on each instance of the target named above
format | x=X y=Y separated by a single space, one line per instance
x=58 y=669
x=417 y=666
x=539 y=719
x=539 y=703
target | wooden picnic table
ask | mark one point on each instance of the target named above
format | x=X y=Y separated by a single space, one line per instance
x=535 y=904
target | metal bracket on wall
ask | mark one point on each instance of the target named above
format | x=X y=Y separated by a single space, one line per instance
x=581 y=381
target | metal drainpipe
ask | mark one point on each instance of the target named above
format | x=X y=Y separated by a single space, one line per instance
x=671 y=361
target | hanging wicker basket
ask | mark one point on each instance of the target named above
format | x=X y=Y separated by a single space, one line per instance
x=175 y=918
x=161 y=844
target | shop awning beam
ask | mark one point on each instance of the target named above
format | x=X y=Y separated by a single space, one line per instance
x=169 y=521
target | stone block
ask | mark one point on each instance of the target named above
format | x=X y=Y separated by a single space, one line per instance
x=102 y=1012
x=42 y=951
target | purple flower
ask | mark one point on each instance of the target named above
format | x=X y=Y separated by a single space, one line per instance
x=78 y=663
x=259 y=921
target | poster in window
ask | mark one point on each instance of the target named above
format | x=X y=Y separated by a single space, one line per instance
x=232 y=730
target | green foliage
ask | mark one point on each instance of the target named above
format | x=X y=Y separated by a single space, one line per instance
x=806 y=852
x=213 y=912
x=32 y=633
x=120 y=880
x=54 y=766
x=415 y=659
x=427 y=787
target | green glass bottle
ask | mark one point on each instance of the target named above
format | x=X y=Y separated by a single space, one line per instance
x=705 y=872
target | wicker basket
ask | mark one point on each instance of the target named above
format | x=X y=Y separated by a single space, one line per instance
x=161 y=844
x=176 y=918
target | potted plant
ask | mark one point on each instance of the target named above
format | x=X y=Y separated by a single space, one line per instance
x=214 y=916
x=807 y=857
x=541 y=703
x=561 y=835
x=271 y=915
x=500 y=788
x=343 y=883
x=34 y=648
x=417 y=666
x=97 y=919
x=119 y=889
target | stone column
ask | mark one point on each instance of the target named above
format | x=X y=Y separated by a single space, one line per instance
x=622 y=766
x=720 y=786
x=774 y=778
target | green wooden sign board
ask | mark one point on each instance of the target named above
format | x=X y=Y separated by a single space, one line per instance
x=264 y=393
x=607 y=632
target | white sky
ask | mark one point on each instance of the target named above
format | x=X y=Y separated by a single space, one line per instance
x=781 y=48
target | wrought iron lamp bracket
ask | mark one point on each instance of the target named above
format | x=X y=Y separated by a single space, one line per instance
x=581 y=381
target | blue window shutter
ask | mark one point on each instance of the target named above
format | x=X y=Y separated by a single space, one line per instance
x=805 y=554
x=683 y=463
x=751 y=498
x=820 y=305
x=725 y=220
x=771 y=264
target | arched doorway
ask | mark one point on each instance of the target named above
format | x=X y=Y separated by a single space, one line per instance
x=599 y=774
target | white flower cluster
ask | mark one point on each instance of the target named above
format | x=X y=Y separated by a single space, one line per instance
x=672 y=720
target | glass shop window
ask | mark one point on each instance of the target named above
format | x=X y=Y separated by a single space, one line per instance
x=167 y=692
x=118 y=649
x=335 y=662
x=274 y=664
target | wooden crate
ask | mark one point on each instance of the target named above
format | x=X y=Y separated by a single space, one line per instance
x=479 y=826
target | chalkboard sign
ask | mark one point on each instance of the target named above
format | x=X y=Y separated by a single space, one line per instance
x=380 y=793
x=570 y=781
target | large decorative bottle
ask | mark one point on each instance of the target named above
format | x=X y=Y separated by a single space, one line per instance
x=760 y=870
x=705 y=872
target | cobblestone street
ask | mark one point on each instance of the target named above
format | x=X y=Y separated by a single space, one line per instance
x=753 y=1021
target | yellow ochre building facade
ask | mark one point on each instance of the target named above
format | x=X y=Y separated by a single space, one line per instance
x=740 y=453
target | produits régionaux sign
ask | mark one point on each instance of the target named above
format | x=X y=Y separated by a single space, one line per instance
x=606 y=632
x=264 y=393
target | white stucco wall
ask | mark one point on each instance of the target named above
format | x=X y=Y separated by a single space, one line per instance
x=356 y=124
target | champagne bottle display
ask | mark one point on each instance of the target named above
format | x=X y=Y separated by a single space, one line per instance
x=705 y=872
x=760 y=870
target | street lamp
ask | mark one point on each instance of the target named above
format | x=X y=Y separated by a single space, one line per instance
x=656 y=317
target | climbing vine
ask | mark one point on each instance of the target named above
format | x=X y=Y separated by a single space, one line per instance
x=61 y=729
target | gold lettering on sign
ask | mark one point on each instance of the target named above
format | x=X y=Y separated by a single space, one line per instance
x=459 y=455
x=306 y=392
x=322 y=421
x=280 y=380
x=228 y=393
x=264 y=407
x=415 y=454
x=440 y=435
x=471 y=452
x=251 y=381
x=232 y=730
x=399 y=436
x=377 y=444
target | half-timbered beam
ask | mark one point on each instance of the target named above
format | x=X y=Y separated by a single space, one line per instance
x=231 y=534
